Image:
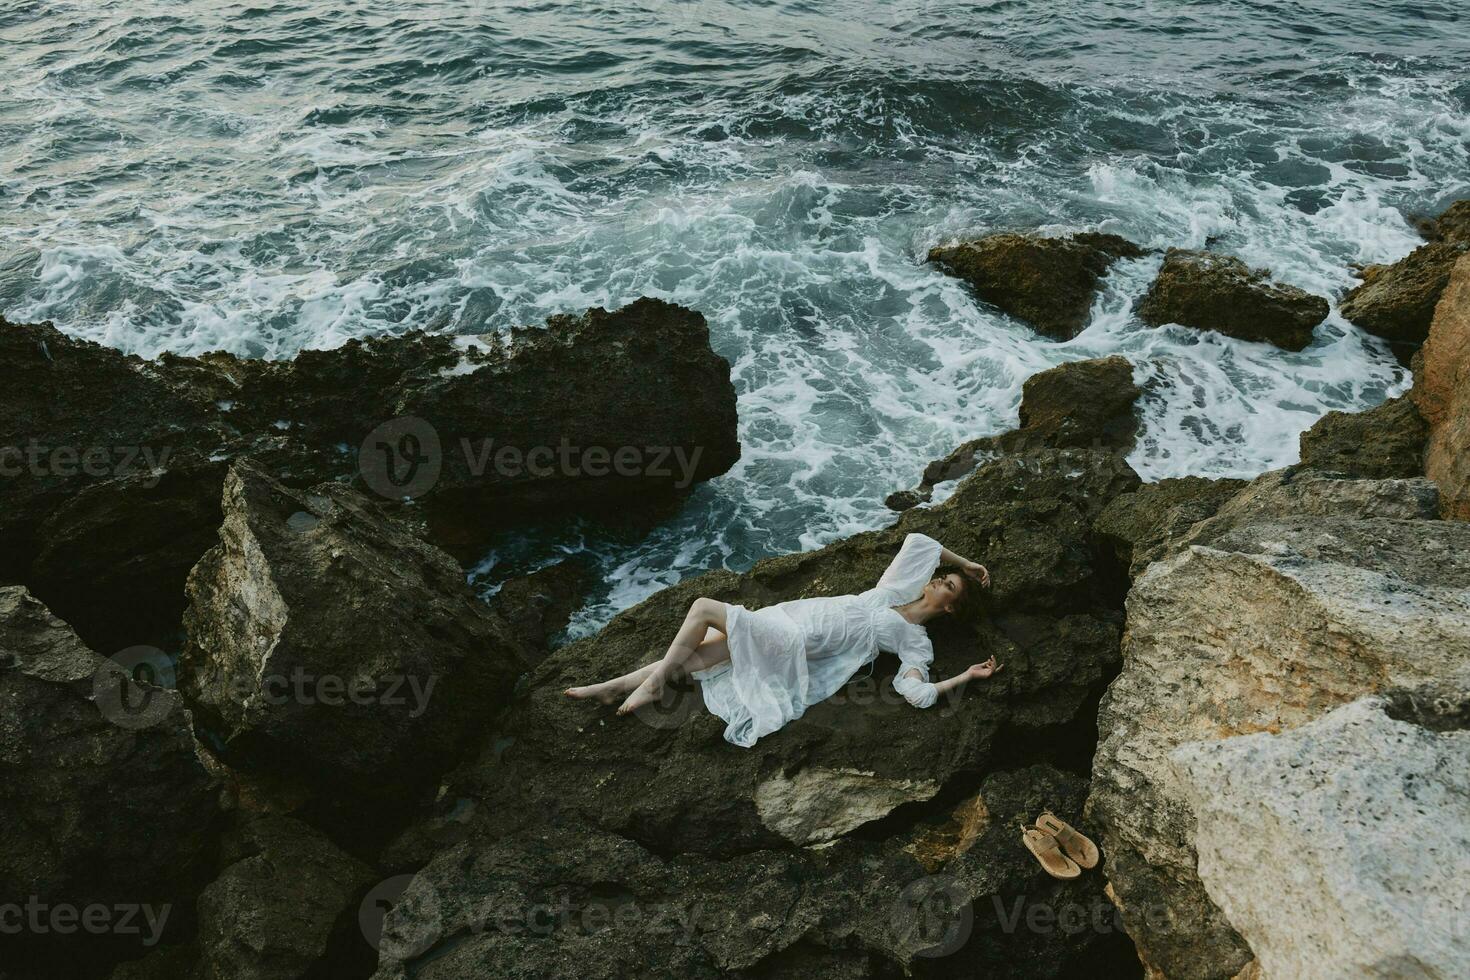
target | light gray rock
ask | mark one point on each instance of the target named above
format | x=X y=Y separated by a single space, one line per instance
x=1340 y=848
x=1162 y=519
x=819 y=804
x=1274 y=625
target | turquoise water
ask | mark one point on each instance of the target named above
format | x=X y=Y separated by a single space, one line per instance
x=266 y=177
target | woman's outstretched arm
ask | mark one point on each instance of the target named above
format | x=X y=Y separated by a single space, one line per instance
x=921 y=694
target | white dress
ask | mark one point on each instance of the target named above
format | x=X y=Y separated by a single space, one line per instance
x=787 y=657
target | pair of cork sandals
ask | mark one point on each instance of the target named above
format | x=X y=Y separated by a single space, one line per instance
x=1061 y=850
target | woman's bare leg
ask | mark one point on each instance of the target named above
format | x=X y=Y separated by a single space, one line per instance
x=713 y=651
x=703 y=615
x=609 y=691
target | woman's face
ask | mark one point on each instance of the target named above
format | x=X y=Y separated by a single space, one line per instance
x=945 y=591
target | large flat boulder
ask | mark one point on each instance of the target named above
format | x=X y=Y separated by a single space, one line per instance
x=1080 y=405
x=1362 y=816
x=1209 y=291
x=598 y=413
x=1442 y=393
x=1278 y=621
x=1048 y=282
x=103 y=797
x=667 y=778
x=329 y=645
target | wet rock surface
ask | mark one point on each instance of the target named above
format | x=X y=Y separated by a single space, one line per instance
x=476 y=433
x=285 y=906
x=1209 y=291
x=1048 y=282
x=1382 y=443
x=561 y=900
x=1079 y=405
x=1140 y=526
x=536 y=608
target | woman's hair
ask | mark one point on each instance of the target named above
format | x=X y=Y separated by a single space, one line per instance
x=966 y=605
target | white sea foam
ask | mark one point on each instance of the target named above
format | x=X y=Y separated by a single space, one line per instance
x=795 y=219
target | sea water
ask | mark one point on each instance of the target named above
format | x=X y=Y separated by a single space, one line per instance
x=264 y=177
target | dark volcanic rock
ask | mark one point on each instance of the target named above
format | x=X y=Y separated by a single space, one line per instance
x=328 y=644
x=668 y=779
x=114 y=557
x=1048 y=282
x=479 y=434
x=284 y=907
x=1208 y=291
x=1381 y=443
x=1080 y=405
x=565 y=901
x=74 y=414
x=641 y=381
x=535 y=608
x=102 y=796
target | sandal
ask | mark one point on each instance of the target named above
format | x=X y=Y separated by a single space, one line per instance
x=1077 y=846
x=1044 y=848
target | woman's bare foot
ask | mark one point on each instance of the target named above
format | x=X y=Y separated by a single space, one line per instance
x=606 y=693
x=646 y=693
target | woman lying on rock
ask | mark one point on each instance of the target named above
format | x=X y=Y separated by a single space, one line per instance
x=761 y=669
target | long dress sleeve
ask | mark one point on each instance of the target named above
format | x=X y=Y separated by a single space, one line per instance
x=915 y=654
x=911 y=569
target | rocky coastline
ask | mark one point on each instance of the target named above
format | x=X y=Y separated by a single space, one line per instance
x=247 y=699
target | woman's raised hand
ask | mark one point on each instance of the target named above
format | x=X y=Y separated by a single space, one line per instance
x=984 y=670
x=977 y=571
